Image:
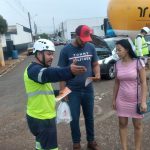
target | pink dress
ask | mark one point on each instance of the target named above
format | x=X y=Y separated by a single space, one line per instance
x=127 y=94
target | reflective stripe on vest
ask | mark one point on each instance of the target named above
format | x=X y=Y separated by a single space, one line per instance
x=40 y=93
x=41 y=99
x=145 y=50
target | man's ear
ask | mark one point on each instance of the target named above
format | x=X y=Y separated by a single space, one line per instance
x=39 y=54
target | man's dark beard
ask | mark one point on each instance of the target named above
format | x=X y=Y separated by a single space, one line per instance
x=80 y=46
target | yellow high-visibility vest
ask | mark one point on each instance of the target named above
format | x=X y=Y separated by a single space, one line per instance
x=145 y=50
x=41 y=99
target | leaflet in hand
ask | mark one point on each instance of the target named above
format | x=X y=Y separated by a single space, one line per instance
x=89 y=80
x=63 y=93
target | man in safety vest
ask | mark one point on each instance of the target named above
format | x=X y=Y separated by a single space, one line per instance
x=38 y=77
x=140 y=43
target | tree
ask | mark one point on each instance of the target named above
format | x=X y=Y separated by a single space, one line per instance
x=3 y=25
x=3 y=29
x=43 y=36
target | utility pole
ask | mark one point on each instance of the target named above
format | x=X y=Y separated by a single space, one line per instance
x=30 y=25
x=63 y=34
x=54 y=25
x=35 y=28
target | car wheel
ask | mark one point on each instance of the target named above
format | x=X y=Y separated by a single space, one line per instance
x=110 y=71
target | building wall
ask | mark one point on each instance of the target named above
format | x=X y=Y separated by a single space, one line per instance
x=21 y=37
x=69 y=26
x=3 y=40
x=17 y=38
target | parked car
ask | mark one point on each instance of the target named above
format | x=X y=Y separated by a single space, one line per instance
x=62 y=42
x=106 y=52
x=30 y=48
x=56 y=42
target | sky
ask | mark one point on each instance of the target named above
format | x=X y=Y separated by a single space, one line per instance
x=48 y=14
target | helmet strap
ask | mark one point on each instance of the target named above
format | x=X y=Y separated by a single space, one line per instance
x=43 y=59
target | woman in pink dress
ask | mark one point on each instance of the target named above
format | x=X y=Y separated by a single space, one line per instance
x=128 y=68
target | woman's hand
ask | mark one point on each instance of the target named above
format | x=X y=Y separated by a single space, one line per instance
x=143 y=107
x=114 y=104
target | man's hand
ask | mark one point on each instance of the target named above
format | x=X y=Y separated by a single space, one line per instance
x=65 y=98
x=96 y=78
x=77 y=70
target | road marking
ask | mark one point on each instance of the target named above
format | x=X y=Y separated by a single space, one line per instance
x=102 y=118
x=105 y=116
x=98 y=98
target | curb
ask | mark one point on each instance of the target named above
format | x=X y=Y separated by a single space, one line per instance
x=12 y=65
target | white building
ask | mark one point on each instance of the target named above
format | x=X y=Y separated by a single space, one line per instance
x=17 y=38
x=18 y=34
x=3 y=40
x=69 y=26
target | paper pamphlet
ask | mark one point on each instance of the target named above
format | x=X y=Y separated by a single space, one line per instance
x=63 y=94
x=89 y=80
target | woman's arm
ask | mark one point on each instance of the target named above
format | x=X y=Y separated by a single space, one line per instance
x=115 y=92
x=142 y=74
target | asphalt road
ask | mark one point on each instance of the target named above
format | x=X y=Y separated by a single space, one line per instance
x=14 y=133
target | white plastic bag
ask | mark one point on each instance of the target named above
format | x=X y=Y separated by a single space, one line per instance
x=63 y=113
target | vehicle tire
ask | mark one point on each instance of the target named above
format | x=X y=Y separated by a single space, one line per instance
x=110 y=72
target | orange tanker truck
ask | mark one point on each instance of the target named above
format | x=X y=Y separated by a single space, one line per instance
x=127 y=17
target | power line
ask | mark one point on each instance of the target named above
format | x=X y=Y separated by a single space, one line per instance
x=20 y=5
x=16 y=9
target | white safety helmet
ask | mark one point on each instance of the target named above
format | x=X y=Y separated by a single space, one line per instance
x=43 y=44
x=146 y=29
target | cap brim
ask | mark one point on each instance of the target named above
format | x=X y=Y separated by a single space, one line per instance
x=86 y=39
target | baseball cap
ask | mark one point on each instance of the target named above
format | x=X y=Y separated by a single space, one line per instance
x=84 y=32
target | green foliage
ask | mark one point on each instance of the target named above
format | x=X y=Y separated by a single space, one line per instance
x=44 y=36
x=3 y=25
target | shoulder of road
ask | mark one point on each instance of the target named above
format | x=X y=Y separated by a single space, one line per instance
x=11 y=63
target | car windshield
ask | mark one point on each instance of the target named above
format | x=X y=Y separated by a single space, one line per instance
x=30 y=45
x=111 y=44
x=102 y=52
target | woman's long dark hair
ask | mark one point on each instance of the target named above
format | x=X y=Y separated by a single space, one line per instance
x=126 y=44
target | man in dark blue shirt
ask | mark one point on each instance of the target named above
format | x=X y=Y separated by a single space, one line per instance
x=85 y=55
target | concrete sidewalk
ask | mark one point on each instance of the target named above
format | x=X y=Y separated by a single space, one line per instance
x=11 y=63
